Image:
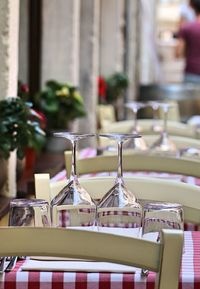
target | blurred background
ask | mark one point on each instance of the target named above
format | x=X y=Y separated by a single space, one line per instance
x=79 y=61
x=78 y=41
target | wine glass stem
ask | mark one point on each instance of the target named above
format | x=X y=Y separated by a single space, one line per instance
x=165 y=121
x=120 y=169
x=135 y=121
x=73 y=168
x=155 y=118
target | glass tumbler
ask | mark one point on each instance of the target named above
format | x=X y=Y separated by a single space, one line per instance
x=29 y=212
x=161 y=215
x=158 y=216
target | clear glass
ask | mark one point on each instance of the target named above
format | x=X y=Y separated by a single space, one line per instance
x=26 y=212
x=161 y=215
x=73 y=203
x=119 y=207
x=155 y=105
x=189 y=152
x=33 y=212
x=136 y=143
x=164 y=143
x=158 y=216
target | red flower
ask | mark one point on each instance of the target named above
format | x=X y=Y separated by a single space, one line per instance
x=24 y=88
x=102 y=88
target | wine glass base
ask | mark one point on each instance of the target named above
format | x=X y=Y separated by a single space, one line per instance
x=164 y=144
x=136 y=144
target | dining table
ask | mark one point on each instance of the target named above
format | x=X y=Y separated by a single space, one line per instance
x=92 y=152
x=19 y=278
x=53 y=278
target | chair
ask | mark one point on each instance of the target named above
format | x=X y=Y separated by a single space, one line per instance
x=136 y=162
x=163 y=258
x=105 y=115
x=145 y=188
x=174 y=127
x=181 y=142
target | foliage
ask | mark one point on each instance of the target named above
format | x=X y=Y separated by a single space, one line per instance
x=60 y=103
x=19 y=127
x=112 y=87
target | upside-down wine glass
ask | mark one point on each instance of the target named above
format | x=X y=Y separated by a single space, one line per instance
x=156 y=127
x=164 y=143
x=73 y=205
x=136 y=143
x=119 y=207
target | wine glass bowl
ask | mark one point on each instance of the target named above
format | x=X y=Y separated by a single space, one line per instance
x=73 y=206
x=136 y=143
x=155 y=105
x=119 y=207
x=164 y=143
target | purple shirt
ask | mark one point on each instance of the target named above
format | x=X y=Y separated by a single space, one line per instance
x=190 y=33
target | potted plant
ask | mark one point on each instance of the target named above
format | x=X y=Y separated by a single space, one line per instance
x=19 y=128
x=115 y=86
x=111 y=90
x=61 y=103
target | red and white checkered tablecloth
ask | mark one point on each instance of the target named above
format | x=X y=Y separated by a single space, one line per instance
x=189 y=275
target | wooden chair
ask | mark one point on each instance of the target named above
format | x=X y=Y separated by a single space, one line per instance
x=163 y=258
x=181 y=142
x=105 y=115
x=144 y=188
x=174 y=127
x=133 y=161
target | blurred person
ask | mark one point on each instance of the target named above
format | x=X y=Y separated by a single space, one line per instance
x=188 y=45
x=187 y=13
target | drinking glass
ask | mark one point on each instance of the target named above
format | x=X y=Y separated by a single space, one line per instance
x=155 y=106
x=161 y=215
x=164 y=143
x=26 y=212
x=158 y=216
x=189 y=152
x=136 y=143
x=33 y=212
x=119 y=207
x=73 y=205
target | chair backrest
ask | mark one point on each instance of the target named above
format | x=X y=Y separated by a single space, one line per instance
x=105 y=115
x=174 y=127
x=181 y=142
x=145 y=188
x=136 y=162
x=163 y=258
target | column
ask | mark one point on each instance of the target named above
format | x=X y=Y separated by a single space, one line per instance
x=60 y=41
x=149 y=57
x=89 y=42
x=111 y=36
x=9 y=28
x=132 y=48
x=23 y=41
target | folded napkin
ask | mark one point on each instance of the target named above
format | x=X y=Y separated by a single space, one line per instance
x=70 y=266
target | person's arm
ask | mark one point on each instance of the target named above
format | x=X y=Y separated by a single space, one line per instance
x=180 y=48
x=181 y=41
